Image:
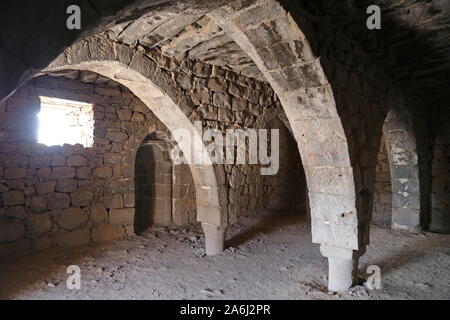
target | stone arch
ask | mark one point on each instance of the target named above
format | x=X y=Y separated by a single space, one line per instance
x=136 y=71
x=274 y=41
x=404 y=169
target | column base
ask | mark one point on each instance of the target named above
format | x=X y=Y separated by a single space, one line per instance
x=342 y=267
x=439 y=222
x=412 y=229
x=214 y=238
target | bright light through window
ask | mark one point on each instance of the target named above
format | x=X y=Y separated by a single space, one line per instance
x=65 y=121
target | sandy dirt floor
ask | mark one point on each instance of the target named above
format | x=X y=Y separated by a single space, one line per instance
x=267 y=258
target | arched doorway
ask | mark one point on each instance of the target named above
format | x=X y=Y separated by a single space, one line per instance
x=164 y=191
x=289 y=194
x=153 y=185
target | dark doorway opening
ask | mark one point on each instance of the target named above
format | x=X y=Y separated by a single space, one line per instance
x=153 y=185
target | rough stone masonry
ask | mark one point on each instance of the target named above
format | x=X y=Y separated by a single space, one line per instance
x=333 y=87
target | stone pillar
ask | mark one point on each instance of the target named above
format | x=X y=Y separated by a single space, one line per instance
x=214 y=238
x=342 y=267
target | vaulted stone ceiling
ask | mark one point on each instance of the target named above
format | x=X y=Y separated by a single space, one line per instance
x=413 y=44
x=421 y=42
x=187 y=36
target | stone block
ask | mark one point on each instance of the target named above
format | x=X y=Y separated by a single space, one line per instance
x=38 y=204
x=98 y=213
x=312 y=103
x=15 y=173
x=10 y=230
x=107 y=233
x=73 y=238
x=406 y=218
x=77 y=161
x=63 y=172
x=121 y=217
x=104 y=172
x=183 y=81
x=337 y=181
x=17 y=212
x=3 y=188
x=201 y=96
x=138 y=117
x=13 y=161
x=57 y=160
x=222 y=100
x=12 y=198
x=16 y=184
x=58 y=201
x=67 y=185
x=73 y=218
x=124 y=114
x=271 y=32
x=39 y=224
x=300 y=77
x=336 y=235
x=44 y=173
x=45 y=187
x=217 y=85
x=82 y=198
x=83 y=173
x=329 y=153
x=112 y=158
x=277 y=56
x=128 y=200
x=116 y=136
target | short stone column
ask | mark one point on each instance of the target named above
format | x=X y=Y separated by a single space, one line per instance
x=342 y=267
x=214 y=238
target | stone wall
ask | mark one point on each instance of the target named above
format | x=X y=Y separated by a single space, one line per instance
x=67 y=195
x=71 y=195
x=440 y=197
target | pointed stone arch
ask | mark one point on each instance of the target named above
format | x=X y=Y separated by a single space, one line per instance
x=136 y=71
x=404 y=169
x=274 y=41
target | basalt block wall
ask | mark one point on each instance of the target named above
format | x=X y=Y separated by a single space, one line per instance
x=440 y=198
x=58 y=196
